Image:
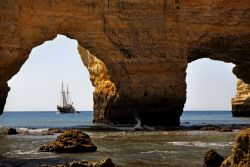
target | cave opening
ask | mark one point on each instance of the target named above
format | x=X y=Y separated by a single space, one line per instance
x=38 y=83
x=210 y=87
x=37 y=86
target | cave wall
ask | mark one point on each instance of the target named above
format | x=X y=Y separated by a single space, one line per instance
x=145 y=46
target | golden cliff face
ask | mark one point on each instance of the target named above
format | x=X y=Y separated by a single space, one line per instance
x=104 y=88
x=144 y=47
x=241 y=102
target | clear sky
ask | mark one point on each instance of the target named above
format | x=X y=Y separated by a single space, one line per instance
x=210 y=85
x=36 y=87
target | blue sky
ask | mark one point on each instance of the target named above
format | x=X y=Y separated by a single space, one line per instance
x=36 y=87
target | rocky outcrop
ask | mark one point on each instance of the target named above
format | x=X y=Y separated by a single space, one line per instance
x=144 y=47
x=11 y=131
x=240 y=154
x=212 y=158
x=241 y=103
x=71 y=141
x=8 y=131
x=106 y=162
x=105 y=90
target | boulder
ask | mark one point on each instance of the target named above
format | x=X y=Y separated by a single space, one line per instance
x=212 y=158
x=106 y=162
x=240 y=154
x=71 y=141
x=11 y=131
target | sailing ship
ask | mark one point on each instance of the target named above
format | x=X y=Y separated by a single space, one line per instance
x=66 y=104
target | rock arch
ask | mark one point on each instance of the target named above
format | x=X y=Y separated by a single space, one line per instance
x=145 y=46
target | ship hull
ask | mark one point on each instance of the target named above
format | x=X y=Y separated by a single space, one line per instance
x=66 y=109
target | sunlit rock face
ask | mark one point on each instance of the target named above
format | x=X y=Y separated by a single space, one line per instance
x=240 y=153
x=144 y=45
x=241 y=102
x=105 y=90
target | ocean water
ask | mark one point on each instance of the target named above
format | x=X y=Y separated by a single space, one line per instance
x=183 y=148
x=45 y=119
x=55 y=120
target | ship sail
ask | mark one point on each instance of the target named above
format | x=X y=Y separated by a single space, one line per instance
x=67 y=105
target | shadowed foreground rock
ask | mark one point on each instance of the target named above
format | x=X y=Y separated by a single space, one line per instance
x=240 y=154
x=71 y=141
x=12 y=131
x=107 y=162
x=212 y=158
x=8 y=131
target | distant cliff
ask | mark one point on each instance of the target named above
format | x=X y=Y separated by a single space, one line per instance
x=138 y=50
x=241 y=102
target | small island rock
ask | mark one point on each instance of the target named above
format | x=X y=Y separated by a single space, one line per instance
x=71 y=141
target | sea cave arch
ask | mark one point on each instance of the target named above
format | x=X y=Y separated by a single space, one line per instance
x=98 y=75
x=144 y=45
x=37 y=85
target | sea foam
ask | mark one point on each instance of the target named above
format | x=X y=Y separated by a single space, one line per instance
x=201 y=144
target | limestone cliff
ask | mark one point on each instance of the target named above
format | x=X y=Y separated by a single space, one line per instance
x=144 y=45
x=241 y=103
x=240 y=154
x=105 y=90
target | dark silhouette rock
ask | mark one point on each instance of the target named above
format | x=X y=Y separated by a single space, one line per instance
x=106 y=162
x=212 y=158
x=71 y=141
x=11 y=131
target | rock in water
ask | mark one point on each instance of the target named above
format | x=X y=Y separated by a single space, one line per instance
x=241 y=102
x=71 y=141
x=240 y=154
x=212 y=158
x=11 y=131
x=106 y=162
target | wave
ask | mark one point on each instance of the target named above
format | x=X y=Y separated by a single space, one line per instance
x=16 y=153
x=158 y=151
x=201 y=144
x=32 y=131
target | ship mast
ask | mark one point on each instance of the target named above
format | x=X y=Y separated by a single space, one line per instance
x=63 y=96
x=67 y=96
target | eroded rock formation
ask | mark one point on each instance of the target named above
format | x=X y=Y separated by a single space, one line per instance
x=105 y=90
x=241 y=102
x=70 y=141
x=240 y=153
x=106 y=162
x=212 y=158
x=145 y=46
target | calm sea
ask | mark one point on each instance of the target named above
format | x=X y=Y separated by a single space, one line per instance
x=56 y=120
x=127 y=148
